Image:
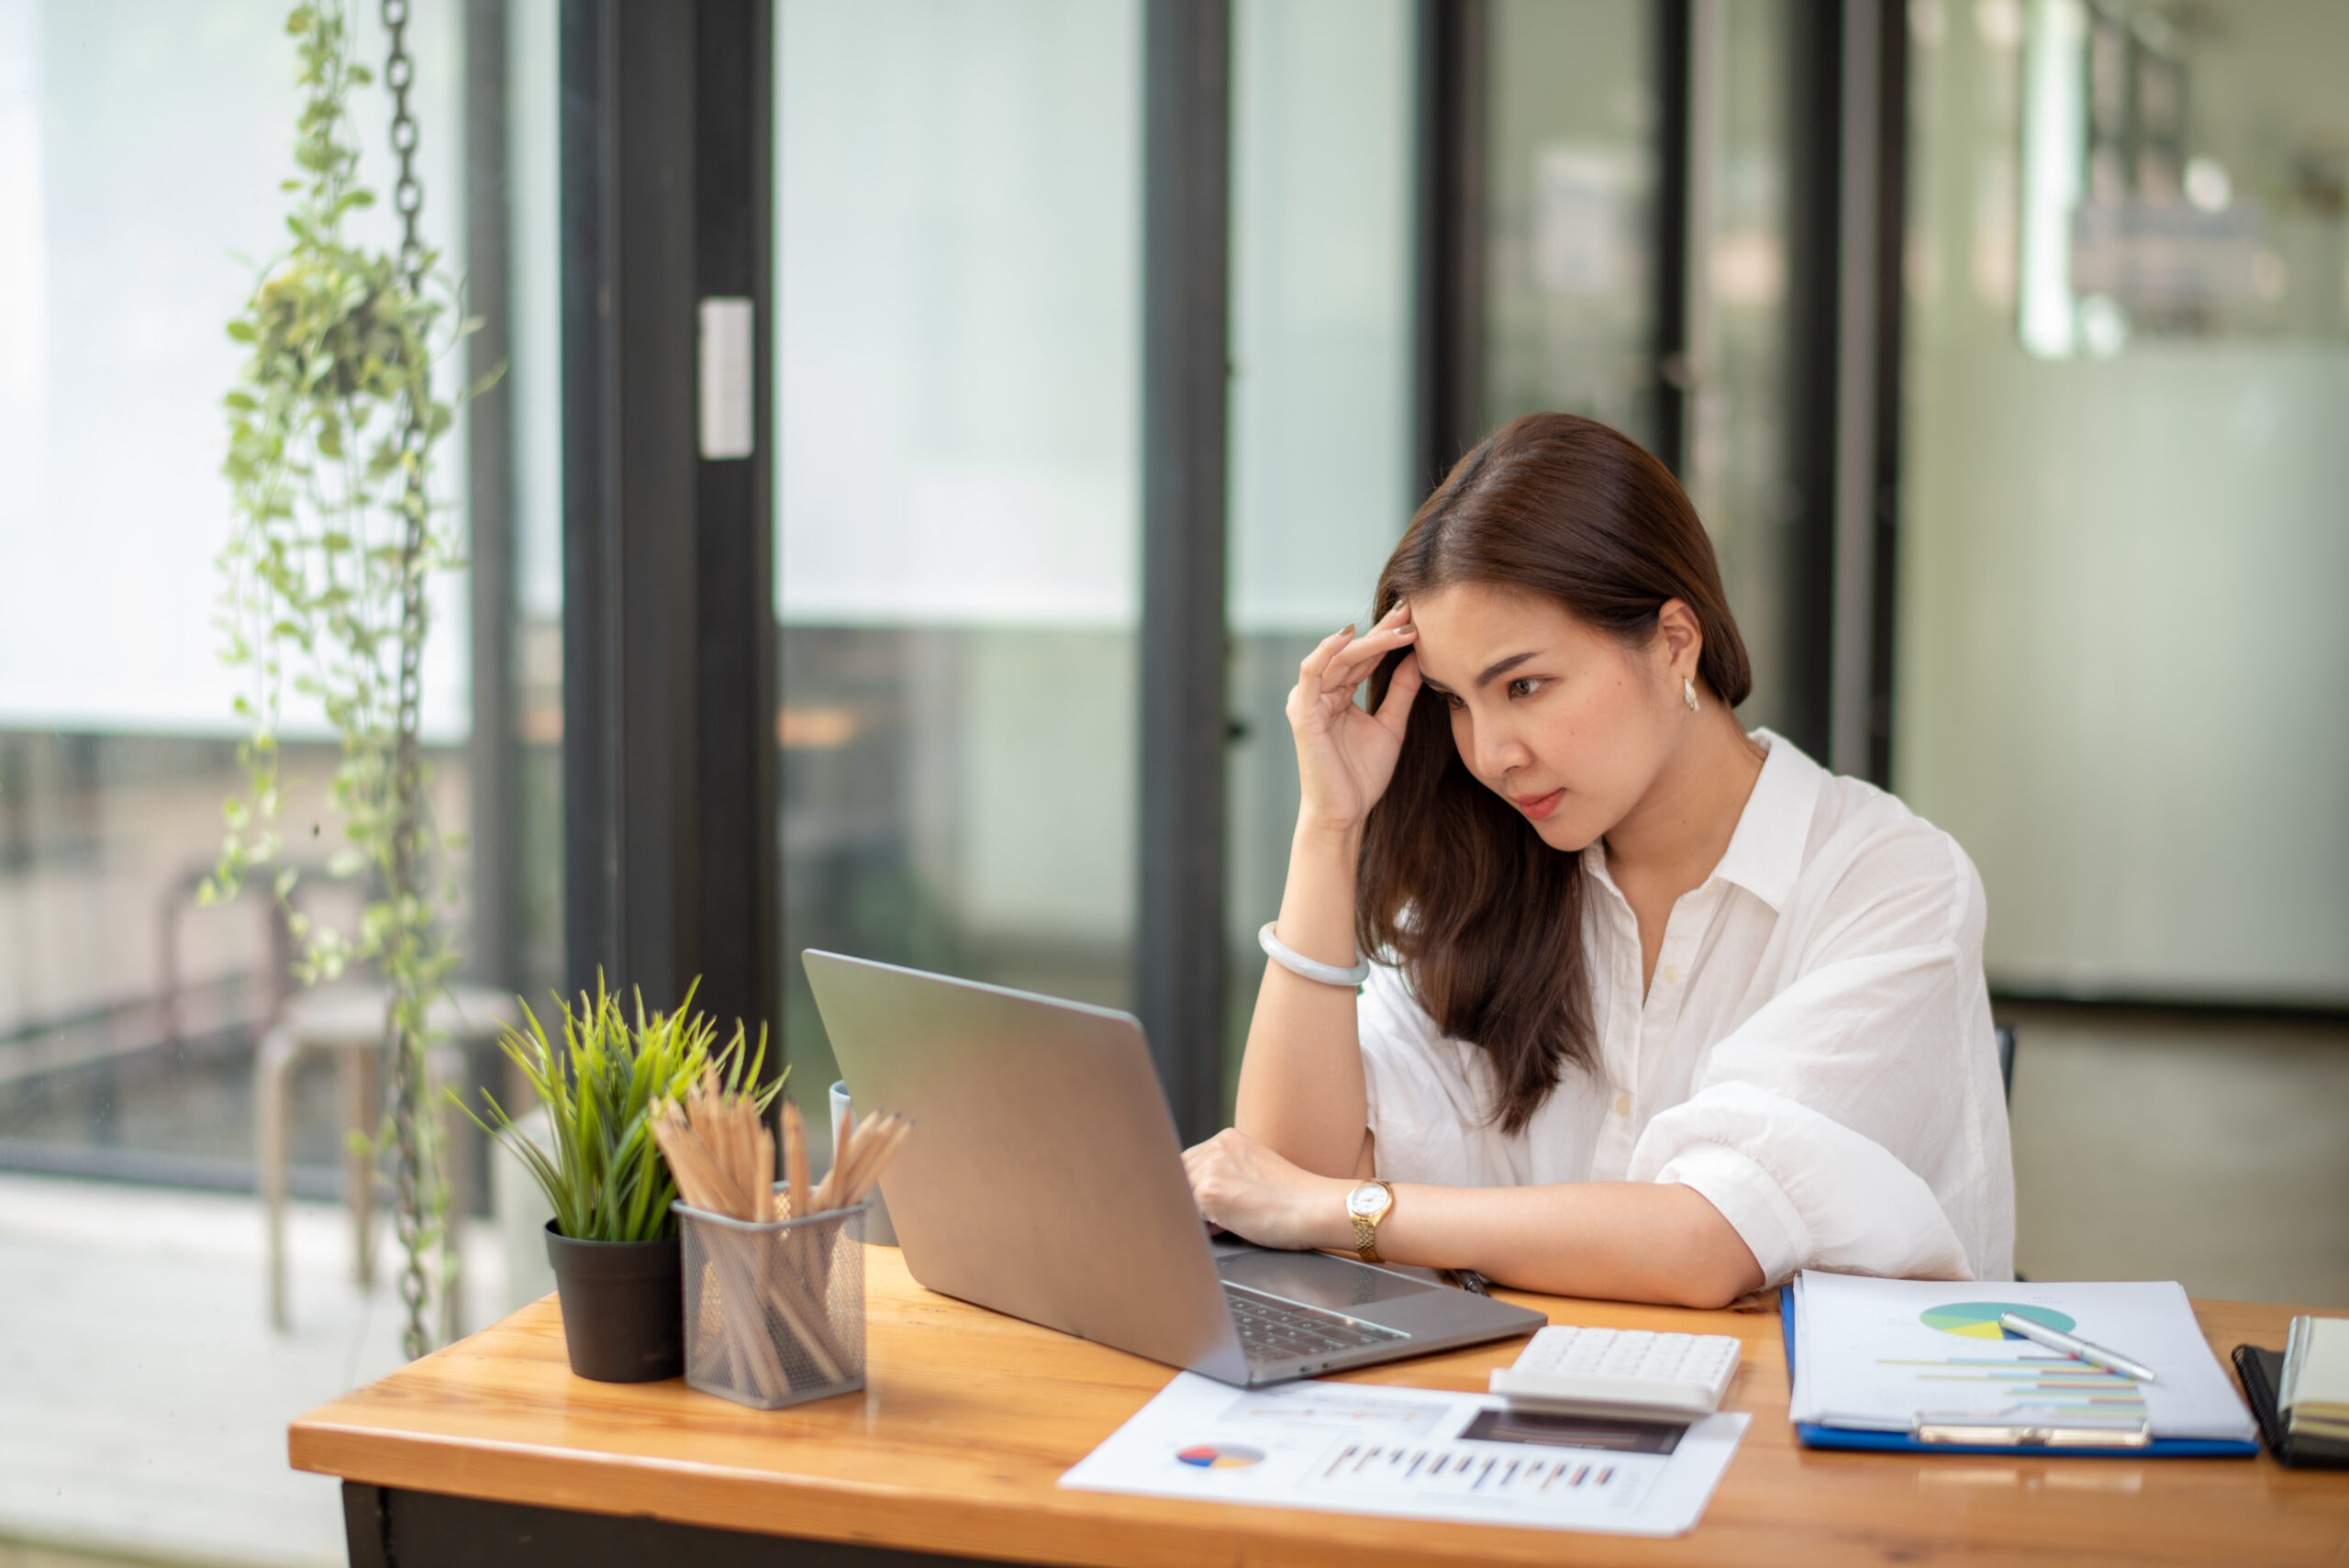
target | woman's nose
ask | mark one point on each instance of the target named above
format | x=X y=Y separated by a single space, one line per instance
x=1498 y=751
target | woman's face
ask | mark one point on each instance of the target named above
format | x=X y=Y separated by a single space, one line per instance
x=1560 y=719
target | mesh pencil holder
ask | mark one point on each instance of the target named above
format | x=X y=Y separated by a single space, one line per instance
x=775 y=1310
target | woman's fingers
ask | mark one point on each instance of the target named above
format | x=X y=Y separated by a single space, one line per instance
x=1219 y=1155
x=1201 y=1157
x=1343 y=640
x=1202 y=1164
x=1348 y=667
x=1310 y=670
x=1402 y=690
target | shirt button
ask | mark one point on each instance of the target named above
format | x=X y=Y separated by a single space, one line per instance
x=1622 y=1105
x=1672 y=974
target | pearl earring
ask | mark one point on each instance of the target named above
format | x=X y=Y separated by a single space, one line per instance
x=1688 y=693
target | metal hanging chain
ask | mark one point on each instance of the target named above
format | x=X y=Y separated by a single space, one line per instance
x=412 y=1182
x=407 y=193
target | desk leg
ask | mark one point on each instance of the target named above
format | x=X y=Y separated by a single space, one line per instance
x=362 y=1525
x=391 y=1528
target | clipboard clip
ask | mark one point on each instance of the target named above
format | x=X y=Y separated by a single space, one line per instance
x=2023 y=1429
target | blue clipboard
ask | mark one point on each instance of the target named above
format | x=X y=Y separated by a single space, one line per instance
x=1813 y=1435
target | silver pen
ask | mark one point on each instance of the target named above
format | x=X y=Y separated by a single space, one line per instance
x=2056 y=1340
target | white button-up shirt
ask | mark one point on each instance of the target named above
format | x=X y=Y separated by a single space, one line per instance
x=1815 y=1055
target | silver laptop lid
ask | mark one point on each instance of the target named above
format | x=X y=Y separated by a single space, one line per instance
x=989 y=1218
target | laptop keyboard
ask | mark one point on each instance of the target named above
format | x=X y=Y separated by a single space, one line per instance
x=1274 y=1330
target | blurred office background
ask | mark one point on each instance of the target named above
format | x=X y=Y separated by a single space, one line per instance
x=1105 y=348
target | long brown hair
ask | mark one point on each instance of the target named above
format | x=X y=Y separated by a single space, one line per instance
x=1485 y=918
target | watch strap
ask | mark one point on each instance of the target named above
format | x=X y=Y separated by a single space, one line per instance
x=1367 y=1226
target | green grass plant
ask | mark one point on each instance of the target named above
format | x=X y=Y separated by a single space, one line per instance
x=603 y=1172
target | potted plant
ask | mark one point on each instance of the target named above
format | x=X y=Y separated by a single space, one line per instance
x=613 y=1239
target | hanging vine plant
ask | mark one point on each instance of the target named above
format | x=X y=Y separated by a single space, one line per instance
x=333 y=429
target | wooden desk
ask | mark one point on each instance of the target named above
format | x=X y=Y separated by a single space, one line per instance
x=969 y=1418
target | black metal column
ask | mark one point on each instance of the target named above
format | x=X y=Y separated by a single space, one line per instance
x=1673 y=376
x=1884 y=240
x=667 y=623
x=1814 y=147
x=593 y=890
x=1450 y=326
x=1179 y=964
x=737 y=875
x=1846 y=157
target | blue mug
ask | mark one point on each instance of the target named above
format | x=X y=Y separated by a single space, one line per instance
x=877 y=1220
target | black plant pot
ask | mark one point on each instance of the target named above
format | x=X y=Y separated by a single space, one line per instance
x=623 y=1306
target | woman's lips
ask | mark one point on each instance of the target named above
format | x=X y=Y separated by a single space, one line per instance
x=1538 y=806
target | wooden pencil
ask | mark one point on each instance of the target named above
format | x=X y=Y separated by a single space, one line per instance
x=795 y=1154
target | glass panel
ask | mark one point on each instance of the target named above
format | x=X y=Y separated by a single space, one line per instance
x=142 y=148
x=2120 y=652
x=1322 y=172
x=140 y=152
x=534 y=384
x=958 y=344
x=1571 y=173
x=1736 y=459
x=1570 y=179
x=1320 y=414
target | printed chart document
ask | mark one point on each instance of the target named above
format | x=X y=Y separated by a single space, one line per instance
x=1412 y=1453
x=1873 y=1354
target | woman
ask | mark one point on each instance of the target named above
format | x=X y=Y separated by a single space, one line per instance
x=1662 y=1011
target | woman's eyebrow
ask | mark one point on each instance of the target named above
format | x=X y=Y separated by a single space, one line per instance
x=1493 y=672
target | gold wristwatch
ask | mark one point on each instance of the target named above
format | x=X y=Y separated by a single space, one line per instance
x=1366 y=1204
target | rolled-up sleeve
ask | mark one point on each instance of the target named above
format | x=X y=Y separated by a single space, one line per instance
x=1839 y=1127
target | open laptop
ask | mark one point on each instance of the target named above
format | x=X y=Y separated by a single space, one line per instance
x=1044 y=1180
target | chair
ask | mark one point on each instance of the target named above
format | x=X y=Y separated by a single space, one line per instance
x=183 y=895
x=2004 y=1035
x=349 y=1021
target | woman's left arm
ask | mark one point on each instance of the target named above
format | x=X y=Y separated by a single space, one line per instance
x=1853 y=1122
x=1622 y=1240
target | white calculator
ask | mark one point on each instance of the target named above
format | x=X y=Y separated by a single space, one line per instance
x=1620 y=1373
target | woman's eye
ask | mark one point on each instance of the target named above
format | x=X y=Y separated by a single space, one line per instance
x=1524 y=686
x=1452 y=700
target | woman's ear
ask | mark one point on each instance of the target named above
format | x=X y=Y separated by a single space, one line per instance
x=1680 y=637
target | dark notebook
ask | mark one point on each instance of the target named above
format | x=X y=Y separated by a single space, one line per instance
x=2261 y=1372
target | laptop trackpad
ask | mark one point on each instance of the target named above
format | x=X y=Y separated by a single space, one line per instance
x=1317 y=1279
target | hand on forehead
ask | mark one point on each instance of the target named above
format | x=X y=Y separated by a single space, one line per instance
x=1472 y=634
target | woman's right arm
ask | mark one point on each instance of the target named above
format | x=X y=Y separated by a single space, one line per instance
x=1301 y=1091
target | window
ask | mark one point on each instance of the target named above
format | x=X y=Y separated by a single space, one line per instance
x=141 y=151
x=957 y=529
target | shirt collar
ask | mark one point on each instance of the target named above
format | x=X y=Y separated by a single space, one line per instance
x=1764 y=855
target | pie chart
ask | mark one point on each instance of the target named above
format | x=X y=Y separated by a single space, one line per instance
x=1979 y=1320
x=1219 y=1456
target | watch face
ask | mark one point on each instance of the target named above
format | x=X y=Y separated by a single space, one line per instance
x=1366 y=1200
